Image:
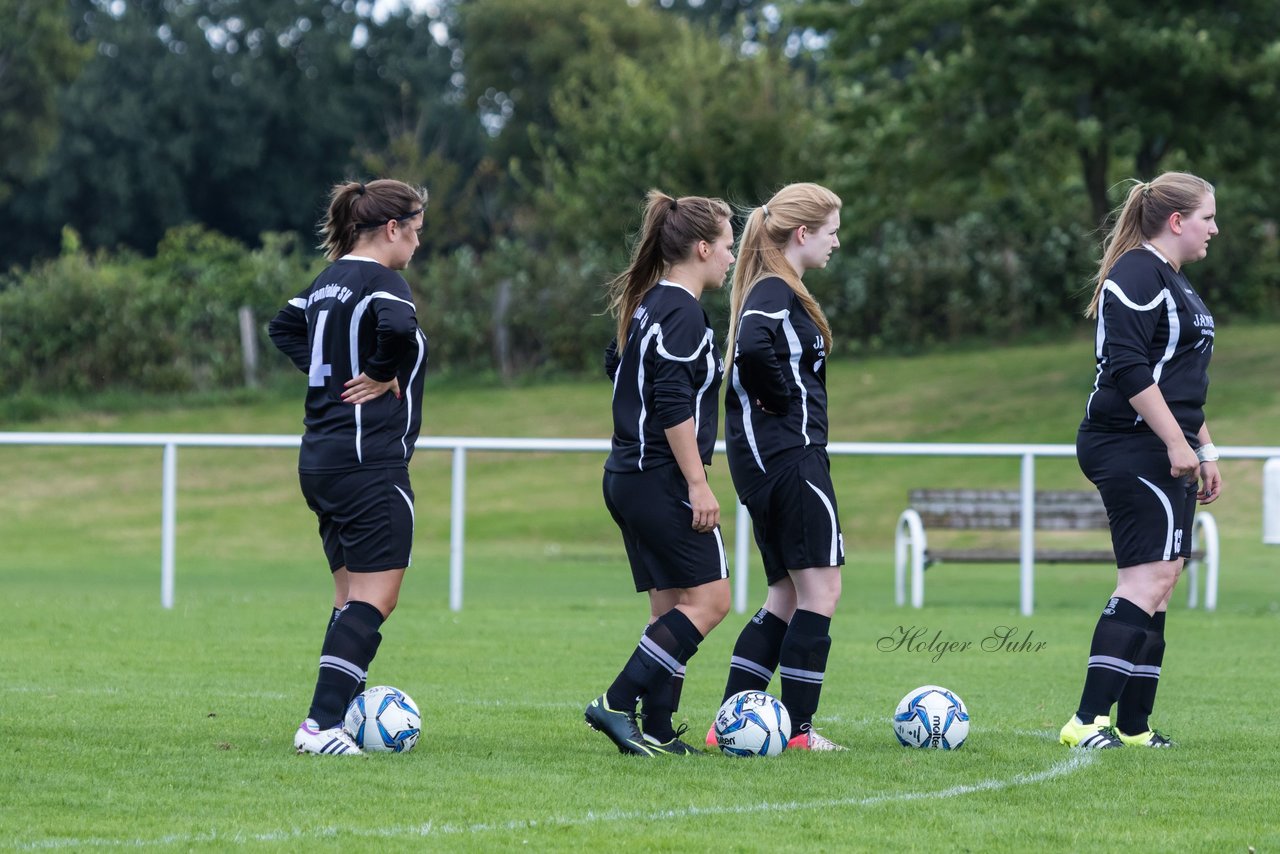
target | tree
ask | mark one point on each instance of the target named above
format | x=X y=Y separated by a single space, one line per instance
x=517 y=52
x=38 y=56
x=701 y=120
x=233 y=114
x=943 y=89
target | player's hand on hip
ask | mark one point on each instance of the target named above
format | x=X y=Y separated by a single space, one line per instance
x=706 y=510
x=364 y=389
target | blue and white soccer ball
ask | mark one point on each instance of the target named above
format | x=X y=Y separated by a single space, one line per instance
x=931 y=716
x=752 y=723
x=384 y=719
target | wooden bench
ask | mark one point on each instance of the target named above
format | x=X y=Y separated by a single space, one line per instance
x=1001 y=510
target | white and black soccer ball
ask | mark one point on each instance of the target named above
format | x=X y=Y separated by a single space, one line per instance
x=753 y=723
x=384 y=719
x=931 y=716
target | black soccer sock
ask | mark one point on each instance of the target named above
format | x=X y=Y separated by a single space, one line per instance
x=755 y=654
x=658 y=707
x=349 y=647
x=1133 y=711
x=360 y=686
x=1119 y=635
x=333 y=617
x=803 y=664
x=664 y=648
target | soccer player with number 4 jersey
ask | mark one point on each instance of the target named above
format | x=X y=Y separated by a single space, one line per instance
x=354 y=333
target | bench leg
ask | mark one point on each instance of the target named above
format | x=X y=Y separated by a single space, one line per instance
x=909 y=545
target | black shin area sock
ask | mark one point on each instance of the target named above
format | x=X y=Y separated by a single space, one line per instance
x=803 y=664
x=665 y=647
x=1119 y=634
x=660 y=705
x=755 y=654
x=349 y=647
x=1133 y=710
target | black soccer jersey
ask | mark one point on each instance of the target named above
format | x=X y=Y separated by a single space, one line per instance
x=356 y=317
x=669 y=372
x=1152 y=328
x=776 y=403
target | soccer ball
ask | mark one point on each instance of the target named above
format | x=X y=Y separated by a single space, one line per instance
x=752 y=723
x=384 y=719
x=931 y=716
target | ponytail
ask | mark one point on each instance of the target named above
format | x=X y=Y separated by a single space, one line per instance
x=761 y=251
x=670 y=229
x=355 y=206
x=1146 y=209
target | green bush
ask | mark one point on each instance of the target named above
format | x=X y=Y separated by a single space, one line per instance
x=88 y=323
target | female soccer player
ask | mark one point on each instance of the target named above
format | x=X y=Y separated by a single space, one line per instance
x=666 y=376
x=1145 y=444
x=776 y=434
x=354 y=333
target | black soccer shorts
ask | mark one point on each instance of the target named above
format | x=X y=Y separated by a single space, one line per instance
x=795 y=518
x=366 y=517
x=1150 y=511
x=652 y=510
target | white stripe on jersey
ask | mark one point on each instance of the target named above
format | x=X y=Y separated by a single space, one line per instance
x=421 y=341
x=748 y=429
x=793 y=342
x=795 y=351
x=1100 y=336
x=353 y=338
x=1168 y=514
x=655 y=331
x=644 y=345
x=706 y=384
x=835 y=527
x=298 y=302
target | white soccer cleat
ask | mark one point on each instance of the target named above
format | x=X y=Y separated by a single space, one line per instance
x=810 y=739
x=327 y=742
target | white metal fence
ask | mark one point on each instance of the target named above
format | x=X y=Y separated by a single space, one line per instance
x=460 y=445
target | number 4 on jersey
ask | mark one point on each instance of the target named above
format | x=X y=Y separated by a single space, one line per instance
x=319 y=370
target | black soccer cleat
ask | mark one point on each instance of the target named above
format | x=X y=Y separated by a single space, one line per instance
x=674 y=747
x=619 y=726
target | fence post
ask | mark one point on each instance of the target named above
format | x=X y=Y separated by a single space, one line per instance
x=457 y=526
x=1271 y=502
x=249 y=347
x=1027 y=553
x=168 y=516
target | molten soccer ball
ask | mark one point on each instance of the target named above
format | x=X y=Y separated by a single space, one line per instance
x=752 y=723
x=384 y=719
x=931 y=716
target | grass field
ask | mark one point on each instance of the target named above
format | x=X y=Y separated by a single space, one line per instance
x=129 y=726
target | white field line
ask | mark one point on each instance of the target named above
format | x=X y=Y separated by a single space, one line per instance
x=1077 y=760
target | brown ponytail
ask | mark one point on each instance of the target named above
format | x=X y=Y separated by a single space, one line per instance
x=670 y=229
x=355 y=207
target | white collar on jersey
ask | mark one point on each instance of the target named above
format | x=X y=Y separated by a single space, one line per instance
x=1147 y=246
x=358 y=258
x=672 y=284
